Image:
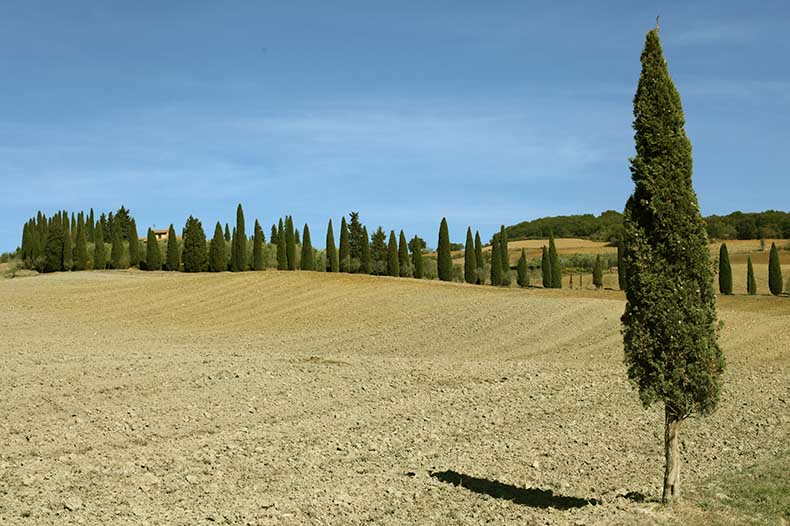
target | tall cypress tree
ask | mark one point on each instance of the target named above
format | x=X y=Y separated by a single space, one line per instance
x=364 y=244
x=173 y=252
x=598 y=272
x=496 y=263
x=523 y=274
x=275 y=236
x=332 y=263
x=116 y=250
x=725 y=270
x=53 y=247
x=503 y=252
x=194 y=256
x=545 y=268
x=257 y=247
x=297 y=239
x=290 y=243
x=620 y=267
x=217 y=260
x=470 y=262
x=81 y=252
x=239 y=263
x=669 y=324
x=416 y=259
x=282 y=247
x=751 y=283
x=774 y=272
x=227 y=232
x=357 y=241
x=444 y=260
x=480 y=264
x=378 y=252
x=404 y=265
x=68 y=254
x=308 y=262
x=99 y=251
x=91 y=227
x=345 y=247
x=556 y=269
x=134 y=244
x=393 y=265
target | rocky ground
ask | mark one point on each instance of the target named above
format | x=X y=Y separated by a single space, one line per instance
x=303 y=398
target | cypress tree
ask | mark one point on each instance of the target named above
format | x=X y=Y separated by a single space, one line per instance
x=416 y=259
x=234 y=246
x=99 y=251
x=523 y=274
x=470 y=262
x=217 y=260
x=227 y=232
x=598 y=272
x=239 y=263
x=134 y=244
x=290 y=243
x=345 y=247
x=364 y=244
x=751 y=283
x=173 y=253
x=479 y=261
x=444 y=260
x=774 y=271
x=91 y=224
x=81 y=252
x=496 y=263
x=282 y=247
x=116 y=251
x=68 y=254
x=393 y=266
x=545 y=268
x=274 y=235
x=357 y=241
x=556 y=269
x=404 y=265
x=503 y=251
x=620 y=267
x=257 y=247
x=308 y=262
x=332 y=263
x=53 y=247
x=669 y=324
x=378 y=252
x=297 y=239
x=725 y=270
x=194 y=256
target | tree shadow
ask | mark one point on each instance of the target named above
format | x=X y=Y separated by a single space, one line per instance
x=532 y=497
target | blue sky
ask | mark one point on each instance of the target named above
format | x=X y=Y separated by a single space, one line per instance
x=483 y=112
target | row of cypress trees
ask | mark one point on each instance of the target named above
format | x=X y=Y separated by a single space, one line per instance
x=775 y=284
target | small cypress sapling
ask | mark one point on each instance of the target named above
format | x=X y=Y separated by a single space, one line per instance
x=545 y=268
x=444 y=262
x=725 y=271
x=620 y=267
x=308 y=263
x=332 y=263
x=81 y=252
x=393 y=267
x=470 y=263
x=217 y=260
x=173 y=252
x=496 y=263
x=480 y=263
x=751 y=283
x=99 y=251
x=523 y=274
x=282 y=247
x=345 y=247
x=403 y=256
x=290 y=243
x=774 y=271
x=134 y=245
x=598 y=272
x=556 y=269
x=416 y=259
x=257 y=247
x=364 y=248
x=116 y=251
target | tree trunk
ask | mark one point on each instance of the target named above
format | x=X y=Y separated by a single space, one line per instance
x=672 y=456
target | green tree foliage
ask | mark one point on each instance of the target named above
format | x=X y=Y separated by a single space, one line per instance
x=297 y=239
x=598 y=272
x=378 y=252
x=308 y=262
x=239 y=263
x=81 y=251
x=404 y=263
x=496 y=263
x=257 y=247
x=173 y=252
x=99 y=250
x=358 y=241
x=669 y=324
x=282 y=247
x=470 y=263
x=774 y=271
x=523 y=273
x=556 y=268
x=620 y=267
x=503 y=252
x=393 y=265
x=217 y=259
x=290 y=243
x=332 y=263
x=134 y=244
x=116 y=250
x=364 y=246
x=345 y=247
x=68 y=253
x=751 y=283
x=195 y=257
x=725 y=270
x=416 y=258
x=53 y=247
x=480 y=264
x=545 y=268
x=444 y=262
x=227 y=232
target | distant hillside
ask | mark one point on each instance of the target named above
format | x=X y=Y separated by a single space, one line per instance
x=770 y=224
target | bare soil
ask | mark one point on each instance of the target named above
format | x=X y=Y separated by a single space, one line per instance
x=306 y=398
